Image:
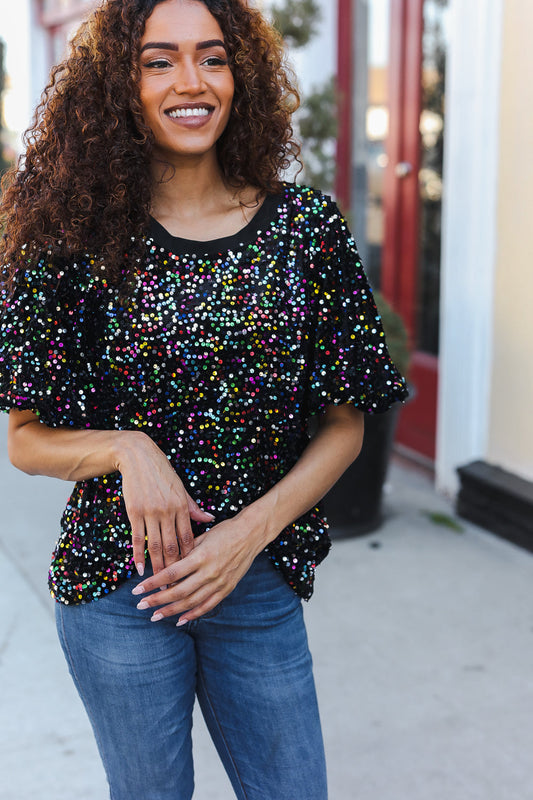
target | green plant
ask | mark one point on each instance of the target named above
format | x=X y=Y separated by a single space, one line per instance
x=298 y=22
x=317 y=121
x=395 y=333
x=444 y=520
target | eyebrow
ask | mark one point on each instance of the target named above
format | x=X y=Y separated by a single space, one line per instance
x=171 y=46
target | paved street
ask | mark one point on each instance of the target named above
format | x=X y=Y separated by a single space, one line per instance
x=423 y=643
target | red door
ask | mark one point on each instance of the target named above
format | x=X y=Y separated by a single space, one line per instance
x=391 y=80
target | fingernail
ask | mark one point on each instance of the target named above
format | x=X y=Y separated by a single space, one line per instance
x=181 y=622
x=138 y=590
x=142 y=605
x=211 y=516
x=162 y=588
x=156 y=617
x=140 y=569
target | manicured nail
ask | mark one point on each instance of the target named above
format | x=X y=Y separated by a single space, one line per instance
x=142 y=605
x=211 y=516
x=156 y=617
x=138 y=590
x=140 y=569
x=182 y=621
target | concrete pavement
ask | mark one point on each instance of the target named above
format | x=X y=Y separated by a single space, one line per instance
x=423 y=644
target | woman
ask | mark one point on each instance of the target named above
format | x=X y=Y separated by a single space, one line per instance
x=173 y=316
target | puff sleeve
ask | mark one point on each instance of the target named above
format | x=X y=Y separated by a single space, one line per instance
x=40 y=354
x=349 y=360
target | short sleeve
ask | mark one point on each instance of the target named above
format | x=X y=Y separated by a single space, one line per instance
x=349 y=360
x=39 y=358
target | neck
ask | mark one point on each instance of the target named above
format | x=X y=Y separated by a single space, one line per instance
x=188 y=187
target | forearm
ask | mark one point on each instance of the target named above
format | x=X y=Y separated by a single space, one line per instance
x=329 y=453
x=66 y=453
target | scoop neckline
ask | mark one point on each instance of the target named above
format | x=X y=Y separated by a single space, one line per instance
x=179 y=245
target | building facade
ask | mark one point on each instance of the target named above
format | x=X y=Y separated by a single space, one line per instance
x=436 y=127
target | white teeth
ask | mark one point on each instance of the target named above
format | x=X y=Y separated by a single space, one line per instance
x=188 y=112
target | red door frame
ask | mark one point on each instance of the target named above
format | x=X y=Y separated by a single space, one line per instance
x=401 y=250
x=401 y=253
x=343 y=178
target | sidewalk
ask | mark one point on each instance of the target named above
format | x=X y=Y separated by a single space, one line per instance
x=422 y=639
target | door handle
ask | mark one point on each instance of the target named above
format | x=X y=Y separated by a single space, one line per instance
x=403 y=169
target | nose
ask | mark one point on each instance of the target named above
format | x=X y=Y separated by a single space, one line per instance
x=188 y=78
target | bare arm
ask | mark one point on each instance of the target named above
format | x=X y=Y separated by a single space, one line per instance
x=72 y=455
x=157 y=504
x=330 y=452
x=224 y=554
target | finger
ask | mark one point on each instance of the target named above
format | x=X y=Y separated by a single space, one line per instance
x=199 y=610
x=155 y=545
x=184 y=533
x=172 y=574
x=173 y=600
x=138 y=539
x=169 y=541
x=196 y=513
x=192 y=606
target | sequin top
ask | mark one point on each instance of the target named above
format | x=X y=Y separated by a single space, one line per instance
x=221 y=353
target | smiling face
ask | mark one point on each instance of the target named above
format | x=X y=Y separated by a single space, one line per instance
x=186 y=86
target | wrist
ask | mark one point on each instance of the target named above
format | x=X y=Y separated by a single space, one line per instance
x=124 y=446
x=261 y=520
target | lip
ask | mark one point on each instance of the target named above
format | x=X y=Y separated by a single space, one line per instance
x=191 y=121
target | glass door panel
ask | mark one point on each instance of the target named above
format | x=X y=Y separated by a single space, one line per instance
x=434 y=45
x=371 y=128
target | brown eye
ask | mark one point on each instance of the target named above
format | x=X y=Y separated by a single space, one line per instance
x=158 y=63
x=215 y=61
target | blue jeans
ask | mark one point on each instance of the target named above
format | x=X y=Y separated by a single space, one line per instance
x=247 y=661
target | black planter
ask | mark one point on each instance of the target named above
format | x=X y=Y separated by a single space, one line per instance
x=353 y=505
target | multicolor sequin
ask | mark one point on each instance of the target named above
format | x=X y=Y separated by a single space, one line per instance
x=221 y=355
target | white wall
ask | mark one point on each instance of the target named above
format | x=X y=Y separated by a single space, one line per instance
x=14 y=30
x=25 y=64
x=470 y=235
x=511 y=425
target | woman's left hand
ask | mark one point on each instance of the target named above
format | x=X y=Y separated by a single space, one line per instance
x=201 y=580
x=221 y=557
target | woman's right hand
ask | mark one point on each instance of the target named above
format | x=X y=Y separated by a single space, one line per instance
x=158 y=506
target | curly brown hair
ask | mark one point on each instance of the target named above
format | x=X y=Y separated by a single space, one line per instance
x=84 y=183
